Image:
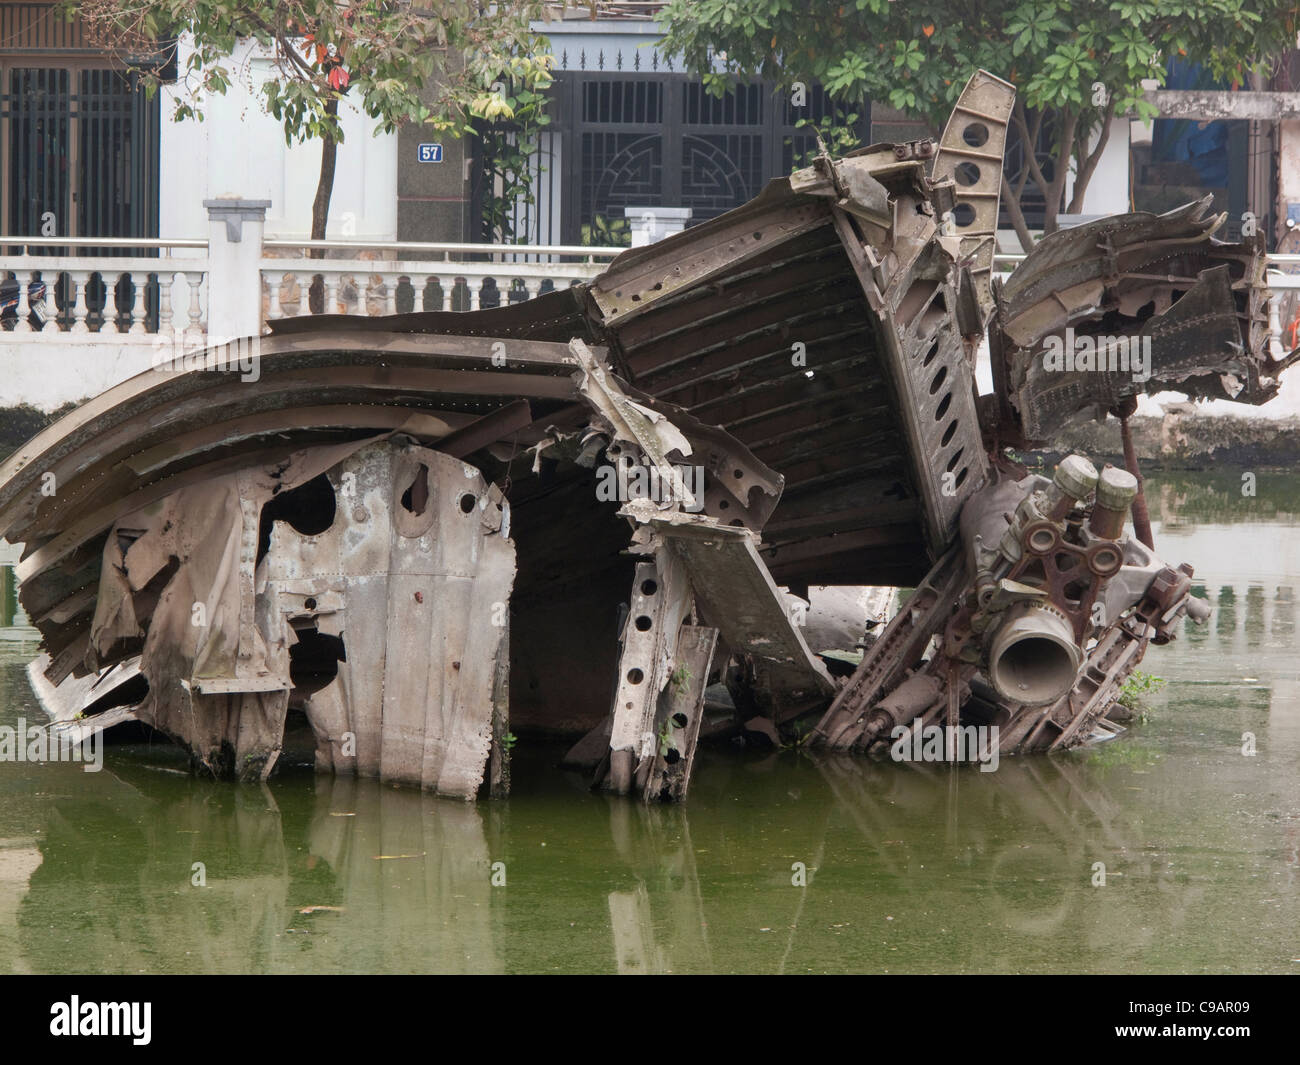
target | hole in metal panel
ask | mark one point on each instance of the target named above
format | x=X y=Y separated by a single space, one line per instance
x=937 y=382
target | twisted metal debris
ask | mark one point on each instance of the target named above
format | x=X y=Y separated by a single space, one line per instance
x=404 y=527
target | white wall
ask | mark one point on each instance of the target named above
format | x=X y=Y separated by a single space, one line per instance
x=1288 y=183
x=75 y=368
x=611 y=45
x=239 y=149
x=1108 y=191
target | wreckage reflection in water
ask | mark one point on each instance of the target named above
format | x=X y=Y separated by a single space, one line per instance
x=979 y=872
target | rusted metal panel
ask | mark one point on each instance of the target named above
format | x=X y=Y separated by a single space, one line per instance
x=736 y=595
x=414 y=577
x=636 y=281
x=969 y=154
x=154 y=407
x=1119 y=307
x=677 y=728
x=932 y=382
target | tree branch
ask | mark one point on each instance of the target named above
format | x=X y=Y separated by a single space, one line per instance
x=1089 y=164
x=1030 y=143
x=1018 y=222
x=1064 y=153
x=294 y=57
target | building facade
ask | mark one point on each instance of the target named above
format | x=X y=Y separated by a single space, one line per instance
x=85 y=153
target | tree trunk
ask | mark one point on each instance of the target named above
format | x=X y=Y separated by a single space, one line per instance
x=1055 y=190
x=1088 y=160
x=1017 y=217
x=320 y=208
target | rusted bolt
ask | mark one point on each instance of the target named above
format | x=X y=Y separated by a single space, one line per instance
x=455 y=665
x=360 y=514
x=419 y=597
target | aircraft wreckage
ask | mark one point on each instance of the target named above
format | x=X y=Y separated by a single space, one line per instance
x=579 y=512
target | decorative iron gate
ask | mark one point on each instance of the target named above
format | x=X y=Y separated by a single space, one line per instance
x=660 y=140
x=633 y=139
x=80 y=151
x=78 y=158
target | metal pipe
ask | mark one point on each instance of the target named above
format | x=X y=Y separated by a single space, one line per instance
x=1141 y=519
x=1033 y=659
x=1117 y=491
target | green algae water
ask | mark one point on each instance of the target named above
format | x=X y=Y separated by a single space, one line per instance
x=779 y=862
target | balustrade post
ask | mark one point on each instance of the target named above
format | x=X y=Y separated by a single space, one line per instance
x=22 y=325
x=165 y=282
x=195 y=325
x=235 y=231
x=50 y=305
x=273 y=309
x=80 y=282
x=138 y=285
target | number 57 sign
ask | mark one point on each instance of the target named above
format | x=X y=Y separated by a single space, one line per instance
x=430 y=153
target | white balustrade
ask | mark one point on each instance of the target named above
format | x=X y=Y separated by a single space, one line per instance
x=165 y=283
x=95 y=334
x=372 y=289
x=24 y=310
x=80 y=280
x=66 y=307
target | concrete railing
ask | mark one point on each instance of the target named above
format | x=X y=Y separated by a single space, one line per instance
x=56 y=292
x=395 y=278
x=78 y=315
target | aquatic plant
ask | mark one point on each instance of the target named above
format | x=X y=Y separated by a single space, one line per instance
x=1137 y=691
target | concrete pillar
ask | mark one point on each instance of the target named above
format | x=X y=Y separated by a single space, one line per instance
x=433 y=201
x=649 y=224
x=235 y=229
x=1288 y=187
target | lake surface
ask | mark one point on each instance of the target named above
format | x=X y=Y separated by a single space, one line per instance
x=909 y=868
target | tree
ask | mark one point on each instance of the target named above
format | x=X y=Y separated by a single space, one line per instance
x=1075 y=63
x=383 y=53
